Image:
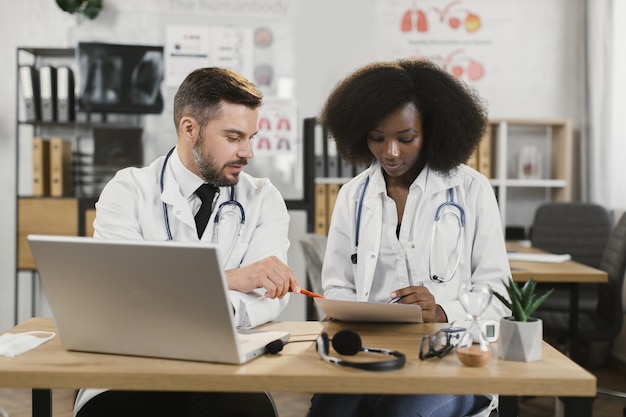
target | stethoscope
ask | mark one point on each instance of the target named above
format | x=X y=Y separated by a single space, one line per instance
x=442 y=210
x=221 y=211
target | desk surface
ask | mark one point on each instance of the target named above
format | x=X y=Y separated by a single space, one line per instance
x=298 y=368
x=557 y=272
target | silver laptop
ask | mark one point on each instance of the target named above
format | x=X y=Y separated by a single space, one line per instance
x=158 y=299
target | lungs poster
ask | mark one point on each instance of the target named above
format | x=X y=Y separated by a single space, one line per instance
x=468 y=38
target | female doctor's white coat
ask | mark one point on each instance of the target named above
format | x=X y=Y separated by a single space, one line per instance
x=130 y=207
x=483 y=255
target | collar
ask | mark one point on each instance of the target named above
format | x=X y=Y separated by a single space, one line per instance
x=428 y=180
x=187 y=181
x=379 y=186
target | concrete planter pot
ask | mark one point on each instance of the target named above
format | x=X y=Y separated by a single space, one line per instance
x=520 y=340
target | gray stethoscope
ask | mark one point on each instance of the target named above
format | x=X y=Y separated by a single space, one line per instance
x=218 y=216
x=442 y=210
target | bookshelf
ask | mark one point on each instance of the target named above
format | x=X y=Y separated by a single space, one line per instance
x=57 y=178
x=522 y=184
x=498 y=156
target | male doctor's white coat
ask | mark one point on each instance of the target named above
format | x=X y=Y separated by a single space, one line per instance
x=131 y=207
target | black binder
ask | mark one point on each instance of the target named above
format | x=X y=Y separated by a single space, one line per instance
x=48 y=90
x=29 y=88
x=65 y=94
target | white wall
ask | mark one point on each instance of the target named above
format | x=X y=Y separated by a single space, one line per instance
x=330 y=38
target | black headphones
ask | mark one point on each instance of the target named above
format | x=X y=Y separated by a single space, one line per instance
x=348 y=342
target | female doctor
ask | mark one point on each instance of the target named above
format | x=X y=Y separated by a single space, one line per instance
x=418 y=222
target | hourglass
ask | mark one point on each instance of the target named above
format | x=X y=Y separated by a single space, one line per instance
x=473 y=348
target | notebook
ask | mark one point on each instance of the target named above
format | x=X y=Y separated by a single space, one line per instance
x=157 y=299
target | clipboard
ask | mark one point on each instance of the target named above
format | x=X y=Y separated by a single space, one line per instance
x=361 y=311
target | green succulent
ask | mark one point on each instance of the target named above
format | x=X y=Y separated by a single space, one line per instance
x=89 y=8
x=523 y=301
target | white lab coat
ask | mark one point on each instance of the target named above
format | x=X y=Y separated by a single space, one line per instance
x=483 y=257
x=131 y=207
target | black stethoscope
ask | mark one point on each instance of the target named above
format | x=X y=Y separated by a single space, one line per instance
x=442 y=210
x=218 y=216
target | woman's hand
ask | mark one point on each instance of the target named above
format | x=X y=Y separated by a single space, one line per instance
x=420 y=295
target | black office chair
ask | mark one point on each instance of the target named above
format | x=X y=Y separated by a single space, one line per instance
x=603 y=323
x=314 y=247
x=579 y=229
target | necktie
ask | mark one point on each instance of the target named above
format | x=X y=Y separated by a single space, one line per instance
x=206 y=192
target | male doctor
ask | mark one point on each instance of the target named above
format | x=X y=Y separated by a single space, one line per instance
x=216 y=118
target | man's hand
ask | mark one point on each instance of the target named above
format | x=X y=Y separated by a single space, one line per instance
x=269 y=273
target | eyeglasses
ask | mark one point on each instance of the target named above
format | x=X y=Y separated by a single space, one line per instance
x=439 y=344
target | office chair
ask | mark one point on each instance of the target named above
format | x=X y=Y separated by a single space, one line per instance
x=604 y=322
x=579 y=229
x=314 y=247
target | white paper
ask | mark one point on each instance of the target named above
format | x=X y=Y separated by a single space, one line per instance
x=538 y=257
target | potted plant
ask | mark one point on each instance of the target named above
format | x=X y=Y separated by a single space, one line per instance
x=87 y=8
x=521 y=334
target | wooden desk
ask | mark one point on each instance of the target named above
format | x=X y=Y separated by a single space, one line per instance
x=298 y=368
x=569 y=272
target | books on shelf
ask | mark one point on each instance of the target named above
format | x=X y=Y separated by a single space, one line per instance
x=29 y=90
x=41 y=167
x=47 y=93
x=60 y=171
x=325 y=198
x=332 y=190
x=52 y=167
x=331 y=171
x=480 y=159
x=61 y=167
x=65 y=94
x=484 y=154
x=321 y=209
x=319 y=146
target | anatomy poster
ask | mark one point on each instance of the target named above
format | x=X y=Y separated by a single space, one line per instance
x=277 y=149
x=190 y=47
x=466 y=37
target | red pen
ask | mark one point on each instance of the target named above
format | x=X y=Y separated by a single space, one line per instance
x=310 y=294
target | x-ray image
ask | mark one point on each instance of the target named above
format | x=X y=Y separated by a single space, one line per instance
x=120 y=78
x=102 y=83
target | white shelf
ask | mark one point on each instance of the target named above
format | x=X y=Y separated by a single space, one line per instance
x=332 y=180
x=518 y=198
x=528 y=183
